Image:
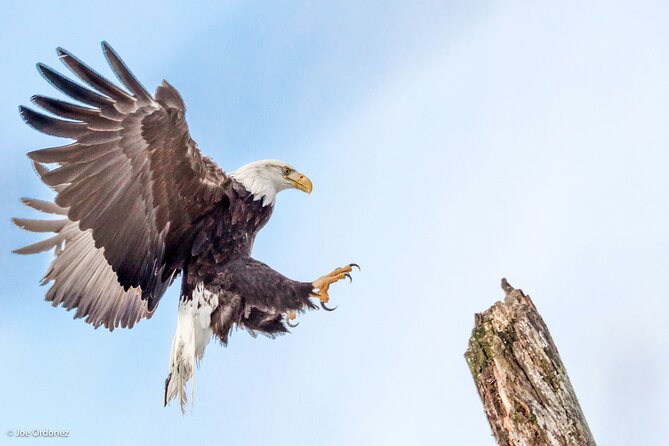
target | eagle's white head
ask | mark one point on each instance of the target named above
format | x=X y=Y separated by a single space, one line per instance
x=265 y=178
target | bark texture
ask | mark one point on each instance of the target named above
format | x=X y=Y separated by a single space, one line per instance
x=520 y=377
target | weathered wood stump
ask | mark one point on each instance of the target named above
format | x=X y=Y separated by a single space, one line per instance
x=520 y=377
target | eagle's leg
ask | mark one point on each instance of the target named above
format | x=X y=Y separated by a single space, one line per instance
x=322 y=284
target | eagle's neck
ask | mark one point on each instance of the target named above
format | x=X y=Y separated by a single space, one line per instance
x=256 y=180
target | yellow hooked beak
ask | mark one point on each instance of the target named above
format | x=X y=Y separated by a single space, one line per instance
x=300 y=181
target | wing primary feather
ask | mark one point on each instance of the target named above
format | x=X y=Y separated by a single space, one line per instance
x=40 y=168
x=47 y=207
x=92 y=78
x=124 y=74
x=99 y=137
x=64 y=109
x=52 y=126
x=40 y=246
x=34 y=225
x=74 y=172
x=71 y=88
x=71 y=153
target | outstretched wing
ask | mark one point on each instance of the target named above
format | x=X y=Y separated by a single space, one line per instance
x=133 y=177
x=81 y=276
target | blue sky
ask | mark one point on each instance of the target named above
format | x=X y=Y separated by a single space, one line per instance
x=450 y=144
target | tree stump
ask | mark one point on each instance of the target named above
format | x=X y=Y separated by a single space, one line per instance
x=523 y=384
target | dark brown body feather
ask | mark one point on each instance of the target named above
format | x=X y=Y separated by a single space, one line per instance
x=140 y=204
x=251 y=294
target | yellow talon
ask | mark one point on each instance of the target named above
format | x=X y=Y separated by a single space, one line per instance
x=322 y=284
x=290 y=316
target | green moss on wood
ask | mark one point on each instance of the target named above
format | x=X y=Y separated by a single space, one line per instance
x=479 y=353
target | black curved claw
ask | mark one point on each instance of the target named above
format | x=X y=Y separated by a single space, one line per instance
x=349 y=276
x=354 y=265
x=326 y=308
x=291 y=325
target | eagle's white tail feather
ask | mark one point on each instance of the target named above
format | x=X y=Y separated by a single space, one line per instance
x=192 y=335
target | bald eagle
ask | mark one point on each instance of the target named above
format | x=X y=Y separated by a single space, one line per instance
x=138 y=204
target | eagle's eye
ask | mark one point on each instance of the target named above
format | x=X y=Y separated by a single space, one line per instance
x=286 y=171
